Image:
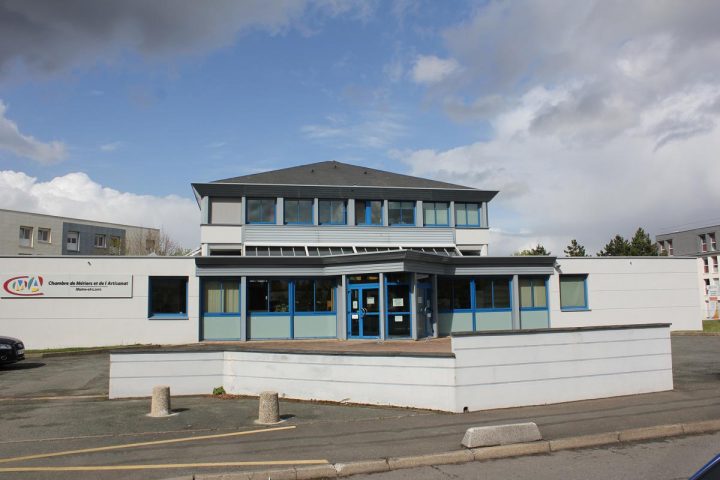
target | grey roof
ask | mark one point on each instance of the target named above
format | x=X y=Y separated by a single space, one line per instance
x=334 y=173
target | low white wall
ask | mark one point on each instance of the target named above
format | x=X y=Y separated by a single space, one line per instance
x=488 y=371
x=420 y=382
x=526 y=368
x=87 y=322
x=135 y=375
x=631 y=290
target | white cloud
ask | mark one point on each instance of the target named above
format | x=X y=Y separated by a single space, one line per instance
x=604 y=116
x=430 y=69
x=76 y=195
x=14 y=141
x=110 y=147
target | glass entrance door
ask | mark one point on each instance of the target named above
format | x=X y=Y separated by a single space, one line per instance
x=363 y=311
x=424 y=308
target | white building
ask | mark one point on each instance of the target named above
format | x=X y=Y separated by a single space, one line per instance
x=335 y=251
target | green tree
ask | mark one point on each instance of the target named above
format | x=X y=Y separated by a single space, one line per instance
x=641 y=245
x=536 y=250
x=617 y=247
x=575 y=249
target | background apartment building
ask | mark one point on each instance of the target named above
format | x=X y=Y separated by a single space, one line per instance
x=700 y=243
x=24 y=233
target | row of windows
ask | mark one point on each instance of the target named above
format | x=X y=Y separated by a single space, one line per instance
x=460 y=293
x=334 y=212
x=168 y=295
x=44 y=235
x=707 y=262
x=705 y=239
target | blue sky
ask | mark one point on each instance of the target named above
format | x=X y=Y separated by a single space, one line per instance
x=585 y=115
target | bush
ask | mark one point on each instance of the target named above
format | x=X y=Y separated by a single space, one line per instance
x=219 y=391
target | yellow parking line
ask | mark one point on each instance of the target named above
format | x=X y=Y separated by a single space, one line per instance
x=163 y=466
x=143 y=444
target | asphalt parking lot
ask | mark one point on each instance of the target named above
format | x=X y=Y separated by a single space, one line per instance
x=52 y=406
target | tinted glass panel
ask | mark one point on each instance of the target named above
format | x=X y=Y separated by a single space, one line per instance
x=261 y=210
x=257 y=295
x=473 y=214
x=291 y=211
x=429 y=213
x=461 y=293
x=304 y=295
x=572 y=291
x=169 y=295
x=375 y=212
x=279 y=296
x=483 y=293
x=526 y=293
x=324 y=296
x=539 y=296
x=444 y=293
x=460 y=214
x=502 y=294
x=398 y=298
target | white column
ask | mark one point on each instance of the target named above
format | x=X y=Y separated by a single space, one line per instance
x=280 y=211
x=205 y=210
x=316 y=210
x=435 y=319
x=341 y=307
x=413 y=306
x=243 y=208
x=419 y=218
x=350 y=211
x=385 y=214
x=451 y=216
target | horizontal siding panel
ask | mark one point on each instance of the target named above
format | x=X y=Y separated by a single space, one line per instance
x=346 y=235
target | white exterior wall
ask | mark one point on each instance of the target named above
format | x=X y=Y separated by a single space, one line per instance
x=86 y=322
x=10 y=223
x=500 y=371
x=488 y=371
x=472 y=239
x=631 y=290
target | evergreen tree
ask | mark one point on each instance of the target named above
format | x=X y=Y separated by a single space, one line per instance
x=617 y=247
x=642 y=246
x=575 y=249
x=537 y=250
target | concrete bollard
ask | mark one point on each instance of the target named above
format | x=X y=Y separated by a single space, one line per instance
x=160 y=406
x=269 y=411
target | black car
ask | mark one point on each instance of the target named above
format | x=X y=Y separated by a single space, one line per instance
x=11 y=350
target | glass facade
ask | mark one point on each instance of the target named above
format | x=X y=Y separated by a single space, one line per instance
x=467 y=214
x=369 y=212
x=401 y=213
x=332 y=212
x=261 y=210
x=436 y=213
x=298 y=212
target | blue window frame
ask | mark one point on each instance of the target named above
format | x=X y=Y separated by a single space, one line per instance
x=436 y=214
x=268 y=295
x=167 y=297
x=221 y=296
x=573 y=292
x=401 y=214
x=369 y=212
x=468 y=214
x=314 y=295
x=397 y=305
x=492 y=294
x=298 y=212
x=533 y=293
x=261 y=210
x=332 y=212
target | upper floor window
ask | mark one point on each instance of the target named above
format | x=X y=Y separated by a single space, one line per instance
x=298 y=212
x=669 y=247
x=261 y=210
x=436 y=213
x=26 y=236
x=703 y=243
x=713 y=242
x=73 y=241
x=116 y=245
x=100 y=241
x=44 y=235
x=401 y=213
x=331 y=212
x=368 y=212
x=467 y=214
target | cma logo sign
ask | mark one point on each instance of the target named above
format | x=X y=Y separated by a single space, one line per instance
x=24 y=286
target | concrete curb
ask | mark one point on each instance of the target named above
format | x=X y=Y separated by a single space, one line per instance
x=469 y=455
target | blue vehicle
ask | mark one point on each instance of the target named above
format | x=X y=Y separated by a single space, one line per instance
x=711 y=471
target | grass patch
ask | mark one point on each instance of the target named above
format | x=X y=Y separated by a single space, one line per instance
x=711 y=326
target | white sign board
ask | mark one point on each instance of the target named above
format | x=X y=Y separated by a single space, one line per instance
x=65 y=286
x=398 y=302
